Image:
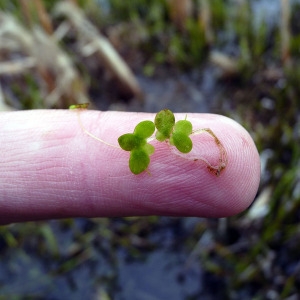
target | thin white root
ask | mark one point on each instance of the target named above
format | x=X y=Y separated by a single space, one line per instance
x=216 y=170
x=90 y=134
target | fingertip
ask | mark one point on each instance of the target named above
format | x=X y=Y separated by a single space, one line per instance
x=239 y=181
x=186 y=181
x=243 y=171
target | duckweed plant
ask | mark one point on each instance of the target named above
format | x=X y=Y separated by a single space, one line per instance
x=136 y=143
x=174 y=133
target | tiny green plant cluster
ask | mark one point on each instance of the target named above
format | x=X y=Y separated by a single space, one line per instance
x=175 y=133
x=136 y=143
x=167 y=130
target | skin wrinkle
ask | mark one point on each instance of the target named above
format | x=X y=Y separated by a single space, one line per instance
x=79 y=174
x=179 y=168
x=182 y=195
x=76 y=175
x=36 y=165
x=99 y=180
x=72 y=173
x=244 y=186
x=185 y=193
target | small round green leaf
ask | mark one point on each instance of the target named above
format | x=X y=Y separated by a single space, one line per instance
x=138 y=161
x=164 y=122
x=183 y=126
x=160 y=137
x=144 y=129
x=130 y=141
x=149 y=149
x=182 y=142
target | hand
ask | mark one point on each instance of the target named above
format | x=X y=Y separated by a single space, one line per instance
x=50 y=168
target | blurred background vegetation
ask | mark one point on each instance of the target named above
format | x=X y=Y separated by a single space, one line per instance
x=239 y=58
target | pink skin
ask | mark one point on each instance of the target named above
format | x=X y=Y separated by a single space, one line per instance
x=51 y=169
